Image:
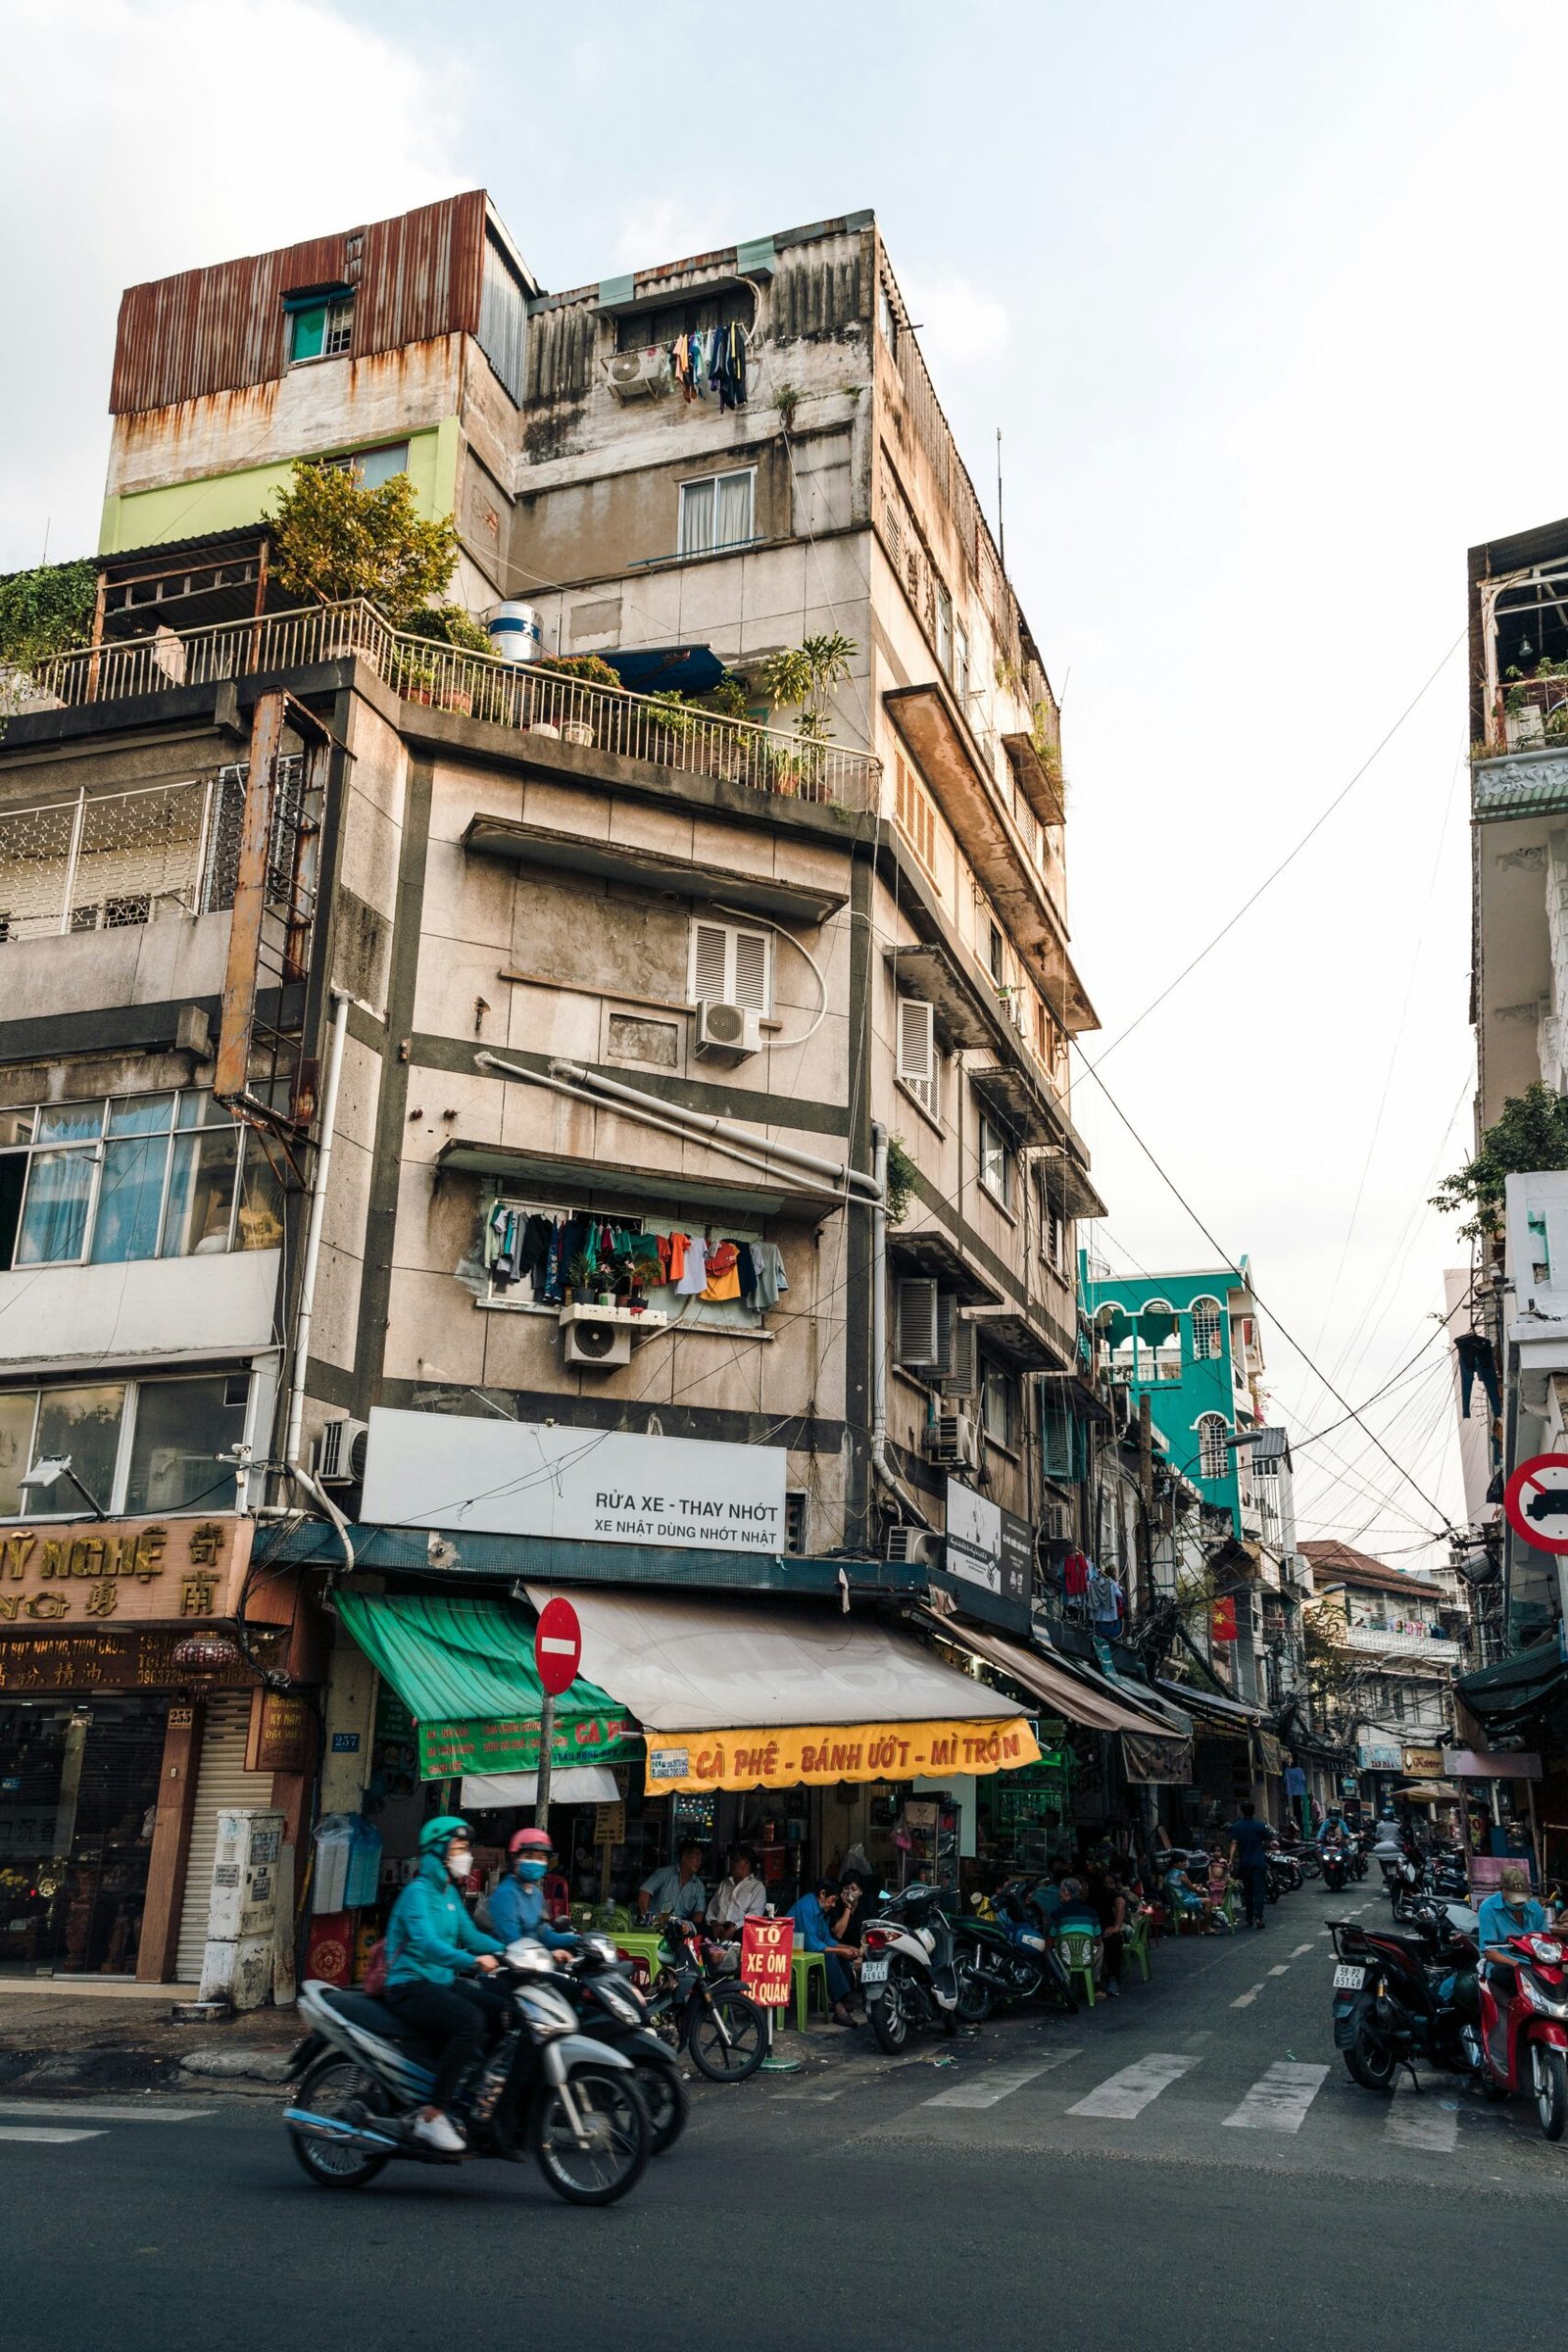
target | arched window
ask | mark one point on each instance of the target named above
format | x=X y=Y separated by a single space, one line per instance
x=1206 y=1329
x=1213 y=1457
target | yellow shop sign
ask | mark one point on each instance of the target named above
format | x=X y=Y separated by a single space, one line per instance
x=819 y=1754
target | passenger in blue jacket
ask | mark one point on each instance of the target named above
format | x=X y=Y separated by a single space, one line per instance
x=517 y=1906
x=433 y=1950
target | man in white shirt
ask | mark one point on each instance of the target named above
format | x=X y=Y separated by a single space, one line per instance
x=739 y=1897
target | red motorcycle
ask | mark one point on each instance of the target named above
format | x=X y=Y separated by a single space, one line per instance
x=1524 y=2027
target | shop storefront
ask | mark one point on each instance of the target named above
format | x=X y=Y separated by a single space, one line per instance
x=128 y=1714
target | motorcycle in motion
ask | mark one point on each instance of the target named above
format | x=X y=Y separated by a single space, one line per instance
x=1406 y=1992
x=363 y=2075
x=610 y=2008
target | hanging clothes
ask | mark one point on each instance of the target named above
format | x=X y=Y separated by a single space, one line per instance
x=767 y=1262
x=694 y=1280
x=679 y=1244
x=729 y=372
x=1075 y=1574
x=723 y=1272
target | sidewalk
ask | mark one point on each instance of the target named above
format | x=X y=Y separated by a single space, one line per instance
x=122 y=2037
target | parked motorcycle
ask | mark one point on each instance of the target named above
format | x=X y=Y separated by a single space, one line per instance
x=1284 y=1874
x=1009 y=1956
x=1524 y=2027
x=694 y=2004
x=1403 y=1994
x=363 y=2074
x=612 y=2010
x=910 y=1974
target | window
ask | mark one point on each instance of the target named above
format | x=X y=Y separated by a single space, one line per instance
x=996 y=1162
x=145 y=1445
x=1397 y=1699
x=995 y=955
x=1052 y=1235
x=995 y=1405
x=140 y=1176
x=731 y=965
x=797 y=1521
x=719 y=511
x=944 y=620
x=892 y=531
x=916 y=815
x=885 y=318
x=917 y=1324
x=370 y=468
x=1213 y=1453
x=960 y=664
x=1206 y=1329
x=919 y=1065
x=319 y=326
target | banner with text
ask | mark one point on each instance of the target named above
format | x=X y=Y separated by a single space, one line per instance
x=817 y=1755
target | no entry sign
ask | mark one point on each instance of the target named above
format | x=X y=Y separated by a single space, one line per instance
x=558 y=1645
x=1536 y=1502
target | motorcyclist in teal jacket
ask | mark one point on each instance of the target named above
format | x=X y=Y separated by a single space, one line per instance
x=432 y=1951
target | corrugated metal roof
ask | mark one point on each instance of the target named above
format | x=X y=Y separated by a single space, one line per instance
x=221 y=328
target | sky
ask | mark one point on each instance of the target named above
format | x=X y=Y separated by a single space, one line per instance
x=1238 y=284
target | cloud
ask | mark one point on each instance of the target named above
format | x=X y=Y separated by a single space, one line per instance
x=665 y=229
x=143 y=136
x=961 y=325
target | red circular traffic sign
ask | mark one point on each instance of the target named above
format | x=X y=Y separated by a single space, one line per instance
x=1535 y=1501
x=558 y=1645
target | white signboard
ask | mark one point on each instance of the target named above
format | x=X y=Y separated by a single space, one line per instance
x=974 y=1537
x=590 y=1485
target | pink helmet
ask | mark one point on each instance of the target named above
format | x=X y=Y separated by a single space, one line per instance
x=530 y=1842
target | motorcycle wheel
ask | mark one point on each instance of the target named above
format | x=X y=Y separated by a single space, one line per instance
x=617 y=2125
x=890 y=2020
x=976 y=2000
x=729 y=2041
x=328 y=2086
x=1374 y=2069
x=1549 y=2076
x=664 y=2096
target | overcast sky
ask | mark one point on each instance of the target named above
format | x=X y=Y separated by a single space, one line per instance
x=1238 y=284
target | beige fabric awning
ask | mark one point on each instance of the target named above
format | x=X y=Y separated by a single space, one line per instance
x=1055 y=1688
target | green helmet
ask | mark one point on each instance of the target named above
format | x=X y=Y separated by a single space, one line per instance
x=441 y=1832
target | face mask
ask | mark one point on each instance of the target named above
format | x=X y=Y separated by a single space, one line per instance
x=532 y=1870
x=460 y=1864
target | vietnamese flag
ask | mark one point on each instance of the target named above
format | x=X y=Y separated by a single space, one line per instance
x=1222 y=1621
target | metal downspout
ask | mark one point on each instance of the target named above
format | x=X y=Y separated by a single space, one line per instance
x=313 y=1255
x=879 y=1329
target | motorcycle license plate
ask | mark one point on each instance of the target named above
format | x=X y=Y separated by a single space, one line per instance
x=1348 y=1980
x=874 y=1972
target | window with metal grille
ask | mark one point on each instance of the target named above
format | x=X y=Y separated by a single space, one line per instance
x=797 y=1521
x=997 y=1404
x=320 y=330
x=943 y=629
x=109 y=859
x=1213 y=1453
x=719 y=511
x=919 y=1065
x=731 y=965
x=1205 y=1314
x=917 y=815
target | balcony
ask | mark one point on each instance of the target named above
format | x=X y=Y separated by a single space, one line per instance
x=1430 y=1649
x=479 y=686
x=116 y=860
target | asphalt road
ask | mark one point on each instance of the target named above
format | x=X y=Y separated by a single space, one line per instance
x=1189 y=2167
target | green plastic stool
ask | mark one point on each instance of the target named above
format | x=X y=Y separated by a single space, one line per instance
x=1135 y=1944
x=1079 y=1952
x=805 y=1969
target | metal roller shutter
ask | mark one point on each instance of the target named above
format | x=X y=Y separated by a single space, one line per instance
x=221 y=1780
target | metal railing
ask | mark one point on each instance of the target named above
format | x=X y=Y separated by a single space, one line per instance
x=110 y=862
x=533 y=700
x=1436 y=1646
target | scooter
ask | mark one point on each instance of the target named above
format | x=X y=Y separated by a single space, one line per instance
x=1335 y=1867
x=1403 y=1994
x=1524 y=2027
x=363 y=2075
x=1009 y=1957
x=909 y=1973
x=612 y=2010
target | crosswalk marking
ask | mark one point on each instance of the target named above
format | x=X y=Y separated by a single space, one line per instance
x=988 y=2090
x=101 y=2113
x=42 y=2132
x=1280 y=2098
x=1422 y=2123
x=1127 y=2093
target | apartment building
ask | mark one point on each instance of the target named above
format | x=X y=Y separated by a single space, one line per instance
x=1401 y=1639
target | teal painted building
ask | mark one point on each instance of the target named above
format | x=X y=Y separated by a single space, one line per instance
x=1190 y=1343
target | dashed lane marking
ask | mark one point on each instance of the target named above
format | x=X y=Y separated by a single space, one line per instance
x=1301 y=1951
x=1127 y=2093
x=1283 y=1969
x=40 y=2133
x=1279 y=2100
x=1244 y=2000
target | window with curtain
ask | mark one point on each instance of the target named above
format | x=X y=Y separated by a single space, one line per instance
x=718 y=511
x=142 y=1445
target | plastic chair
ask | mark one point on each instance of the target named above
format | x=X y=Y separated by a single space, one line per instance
x=1079 y=1952
x=1135 y=1943
x=805 y=1969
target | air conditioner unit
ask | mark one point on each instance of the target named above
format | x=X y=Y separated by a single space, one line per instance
x=735 y=1030
x=953 y=1438
x=639 y=374
x=594 y=1342
x=916 y=1546
x=339 y=1459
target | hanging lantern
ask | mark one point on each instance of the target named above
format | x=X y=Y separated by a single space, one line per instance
x=206 y=1653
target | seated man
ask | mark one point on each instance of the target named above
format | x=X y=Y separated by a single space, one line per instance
x=739 y=1897
x=814 y=1930
x=674 y=1892
x=1512 y=1911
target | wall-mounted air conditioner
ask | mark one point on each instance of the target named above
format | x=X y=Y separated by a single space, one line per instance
x=915 y=1546
x=339 y=1458
x=639 y=374
x=595 y=1341
x=733 y=1030
x=954 y=1440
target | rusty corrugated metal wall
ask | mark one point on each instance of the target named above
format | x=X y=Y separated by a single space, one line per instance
x=217 y=329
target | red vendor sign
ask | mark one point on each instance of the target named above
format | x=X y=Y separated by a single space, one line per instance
x=767 y=1948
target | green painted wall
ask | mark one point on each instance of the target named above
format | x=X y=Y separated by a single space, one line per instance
x=221 y=502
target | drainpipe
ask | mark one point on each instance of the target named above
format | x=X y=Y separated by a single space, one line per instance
x=879 y=1328
x=312 y=1254
x=704 y=1122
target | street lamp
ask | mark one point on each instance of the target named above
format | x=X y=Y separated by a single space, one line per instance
x=58 y=1466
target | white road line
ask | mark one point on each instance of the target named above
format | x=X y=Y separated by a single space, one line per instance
x=102 y=2113
x=1279 y=2100
x=1422 y=2123
x=1303 y=1949
x=1129 y=2092
x=1244 y=2000
x=1283 y=1969
x=988 y=2090
x=41 y=2133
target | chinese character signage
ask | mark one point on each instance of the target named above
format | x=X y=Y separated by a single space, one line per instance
x=102 y=1572
x=768 y=1948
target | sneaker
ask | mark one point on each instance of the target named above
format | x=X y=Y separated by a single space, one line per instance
x=439 y=2132
x=1112 y=1989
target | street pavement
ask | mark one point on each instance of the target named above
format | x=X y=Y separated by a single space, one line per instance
x=1187 y=2167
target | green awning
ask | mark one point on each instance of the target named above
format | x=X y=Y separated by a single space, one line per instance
x=464 y=1671
x=1516 y=1699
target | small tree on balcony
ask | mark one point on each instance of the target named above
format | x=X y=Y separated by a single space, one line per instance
x=806 y=674
x=1529 y=1135
x=335 y=540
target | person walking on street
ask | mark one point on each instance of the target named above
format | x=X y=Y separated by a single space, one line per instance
x=1250 y=1838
